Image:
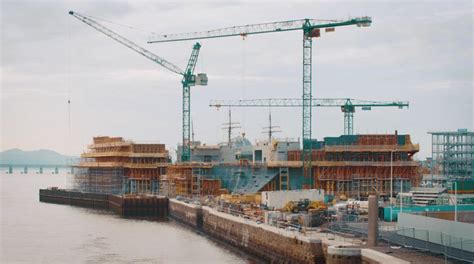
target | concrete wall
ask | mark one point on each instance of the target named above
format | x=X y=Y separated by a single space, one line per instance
x=436 y=230
x=150 y=207
x=276 y=150
x=268 y=243
x=278 y=199
x=186 y=213
x=59 y=196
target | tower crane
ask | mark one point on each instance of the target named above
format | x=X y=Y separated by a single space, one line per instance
x=189 y=78
x=311 y=28
x=347 y=105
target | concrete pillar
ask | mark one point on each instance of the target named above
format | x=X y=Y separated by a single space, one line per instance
x=373 y=231
x=343 y=255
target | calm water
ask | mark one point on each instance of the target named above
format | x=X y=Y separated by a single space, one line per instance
x=34 y=232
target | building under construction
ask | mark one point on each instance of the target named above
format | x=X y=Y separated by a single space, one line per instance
x=359 y=165
x=453 y=154
x=116 y=166
x=349 y=165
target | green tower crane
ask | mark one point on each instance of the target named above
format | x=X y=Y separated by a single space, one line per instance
x=189 y=78
x=311 y=29
x=347 y=105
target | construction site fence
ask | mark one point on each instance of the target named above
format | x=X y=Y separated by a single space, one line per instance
x=450 y=246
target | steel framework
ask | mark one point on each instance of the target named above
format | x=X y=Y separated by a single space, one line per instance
x=453 y=154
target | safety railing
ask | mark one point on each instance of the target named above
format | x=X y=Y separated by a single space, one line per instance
x=437 y=242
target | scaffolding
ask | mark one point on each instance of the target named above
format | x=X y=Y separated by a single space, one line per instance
x=99 y=180
x=453 y=154
x=116 y=166
x=360 y=165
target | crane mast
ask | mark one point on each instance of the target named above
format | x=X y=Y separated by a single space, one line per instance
x=347 y=105
x=189 y=79
x=311 y=28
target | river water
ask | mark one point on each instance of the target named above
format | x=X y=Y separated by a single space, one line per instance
x=34 y=232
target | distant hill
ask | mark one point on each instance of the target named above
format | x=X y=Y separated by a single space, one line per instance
x=35 y=157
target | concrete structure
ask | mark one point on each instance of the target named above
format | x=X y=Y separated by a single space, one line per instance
x=438 y=231
x=276 y=150
x=239 y=148
x=272 y=244
x=424 y=196
x=343 y=255
x=373 y=227
x=134 y=206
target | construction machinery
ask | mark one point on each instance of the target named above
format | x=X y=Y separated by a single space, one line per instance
x=305 y=205
x=311 y=28
x=315 y=212
x=347 y=105
x=189 y=78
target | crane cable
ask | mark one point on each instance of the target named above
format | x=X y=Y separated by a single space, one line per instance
x=119 y=24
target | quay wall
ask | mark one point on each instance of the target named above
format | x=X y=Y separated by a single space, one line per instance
x=269 y=243
x=187 y=213
x=59 y=196
x=134 y=206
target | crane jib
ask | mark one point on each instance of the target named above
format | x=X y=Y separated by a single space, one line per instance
x=133 y=46
x=307 y=25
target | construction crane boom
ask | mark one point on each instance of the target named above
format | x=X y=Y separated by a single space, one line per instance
x=311 y=29
x=347 y=106
x=253 y=29
x=293 y=102
x=168 y=65
x=189 y=79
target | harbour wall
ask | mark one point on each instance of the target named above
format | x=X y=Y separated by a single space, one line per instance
x=187 y=213
x=59 y=196
x=271 y=244
x=268 y=243
x=133 y=206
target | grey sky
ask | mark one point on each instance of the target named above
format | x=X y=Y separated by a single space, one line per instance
x=415 y=51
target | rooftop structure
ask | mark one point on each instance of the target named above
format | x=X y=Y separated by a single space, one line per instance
x=116 y=166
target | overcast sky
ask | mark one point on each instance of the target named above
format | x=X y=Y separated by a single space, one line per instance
x=420 y=52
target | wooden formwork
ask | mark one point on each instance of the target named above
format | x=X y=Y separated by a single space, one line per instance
x=364 y=167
